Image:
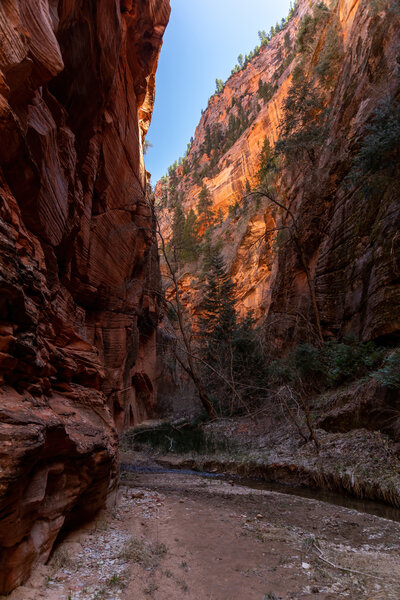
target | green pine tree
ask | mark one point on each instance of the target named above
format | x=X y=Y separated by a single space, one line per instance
x=206 y=214
x=268 y=161
x=190 y=242
x=218 y=319
x=178 y=226
x=302 y=128
x=219 y=86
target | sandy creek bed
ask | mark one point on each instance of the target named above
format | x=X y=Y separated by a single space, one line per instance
x=177 y=536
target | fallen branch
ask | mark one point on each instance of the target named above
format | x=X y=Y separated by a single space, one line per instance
x=354 y=571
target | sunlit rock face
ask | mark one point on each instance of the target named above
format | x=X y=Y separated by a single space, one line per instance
x=351 y=245
x=79 y=275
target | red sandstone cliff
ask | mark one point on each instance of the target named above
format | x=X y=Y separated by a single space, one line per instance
x=350 y=240
x=78 y=262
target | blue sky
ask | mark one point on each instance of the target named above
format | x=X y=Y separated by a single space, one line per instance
x=202 y=42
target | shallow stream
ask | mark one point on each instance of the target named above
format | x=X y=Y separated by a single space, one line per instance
x=378 y=509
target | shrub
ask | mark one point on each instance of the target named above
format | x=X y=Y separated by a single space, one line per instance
x=377 y=160
x=248 y=357
x=348 y=360
x=309 y=28
x=308 y=361
x=304 y=33
x=389 y=374
x=380 y=5
x=379 y=150
x=282 y=371
x=334 y=363
x=304 y=362
x=234 y=209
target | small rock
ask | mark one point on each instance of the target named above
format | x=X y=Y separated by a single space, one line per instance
x=137 y=495
x=260 y=516
x=181 y=501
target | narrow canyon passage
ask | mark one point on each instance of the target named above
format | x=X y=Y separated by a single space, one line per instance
x=179 y=536
x=239 y=307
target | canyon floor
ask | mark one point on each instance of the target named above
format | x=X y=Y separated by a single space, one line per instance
x=179 y=536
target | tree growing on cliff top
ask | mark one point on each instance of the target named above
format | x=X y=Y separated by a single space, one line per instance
x=219 y=86
x=263 y=36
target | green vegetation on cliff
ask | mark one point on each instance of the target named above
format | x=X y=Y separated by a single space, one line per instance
x=298 y=218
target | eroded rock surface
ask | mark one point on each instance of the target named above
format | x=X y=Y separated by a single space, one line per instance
x=79 y=275
x=350 y=239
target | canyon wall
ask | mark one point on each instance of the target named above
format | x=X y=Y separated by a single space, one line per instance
x=79 y=274
x=349 y=238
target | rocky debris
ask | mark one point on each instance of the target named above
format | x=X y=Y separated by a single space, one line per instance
x=77 y=260
x=93 y=565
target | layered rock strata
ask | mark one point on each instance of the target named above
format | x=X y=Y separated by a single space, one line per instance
x=79 y=275
x=350 y=239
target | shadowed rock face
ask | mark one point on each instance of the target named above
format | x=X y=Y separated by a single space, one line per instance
x=79 y=275
x=351 y=241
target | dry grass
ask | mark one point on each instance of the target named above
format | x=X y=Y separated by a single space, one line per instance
x=61 y=559
x=144 y=553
